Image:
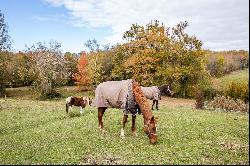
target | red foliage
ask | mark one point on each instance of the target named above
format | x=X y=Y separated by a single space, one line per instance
x=82 y=75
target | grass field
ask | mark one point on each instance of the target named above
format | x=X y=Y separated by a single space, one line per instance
x=40 y=132
x=238 y=76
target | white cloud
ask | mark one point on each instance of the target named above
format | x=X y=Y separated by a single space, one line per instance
x=220 y=24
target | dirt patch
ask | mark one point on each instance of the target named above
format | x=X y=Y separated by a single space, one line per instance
x=234 y=146
x=176 y=102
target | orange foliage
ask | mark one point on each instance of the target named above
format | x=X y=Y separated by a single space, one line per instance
x=82 y=78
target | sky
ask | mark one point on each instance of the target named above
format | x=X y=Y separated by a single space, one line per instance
x=219 y=24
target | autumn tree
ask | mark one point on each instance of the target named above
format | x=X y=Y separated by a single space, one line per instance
x=156 y=54
x=49 y=67
x=5 y=78
x=100 y=62
x=82 y=78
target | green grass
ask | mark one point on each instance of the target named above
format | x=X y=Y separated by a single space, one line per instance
x=40 y=132
x=238 y=76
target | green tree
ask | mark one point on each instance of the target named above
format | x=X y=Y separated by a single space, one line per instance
x=5 y=42
x=71 y=63
x=5 y=45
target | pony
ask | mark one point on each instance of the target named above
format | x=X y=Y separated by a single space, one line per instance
x=77 y=101
x=155 y=92
x=126 y=95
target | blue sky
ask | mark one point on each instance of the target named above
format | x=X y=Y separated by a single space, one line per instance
x=219 y=24
x=30 y=21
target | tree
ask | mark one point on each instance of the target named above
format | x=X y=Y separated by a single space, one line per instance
x=92 y=45
x=156 y=54
x=82 y=76
x=4 y=72
x=5 y=45
x=49 y=67
x=71 y=66
x=5 y=42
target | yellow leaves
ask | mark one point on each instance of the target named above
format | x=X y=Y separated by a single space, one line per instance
x=139 y=60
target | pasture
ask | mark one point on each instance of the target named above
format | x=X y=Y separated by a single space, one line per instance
x=237 y=76
x=40 y=132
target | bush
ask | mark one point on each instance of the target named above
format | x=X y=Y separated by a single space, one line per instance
x=50 y=95
x=238 y=90
x=210 y=93
x=228 y=104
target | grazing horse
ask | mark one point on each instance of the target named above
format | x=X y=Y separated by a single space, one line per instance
x=126 y=95
x=154 y=93
x=77 y=101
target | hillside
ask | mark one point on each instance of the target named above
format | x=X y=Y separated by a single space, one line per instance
x=238 y=76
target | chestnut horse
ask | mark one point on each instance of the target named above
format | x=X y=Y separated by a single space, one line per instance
x=126 y=95
x=154 y=93
x=77 y=101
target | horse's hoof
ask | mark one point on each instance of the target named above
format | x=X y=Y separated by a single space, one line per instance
x=134 y=134
x=122 y=136
x=103 y=131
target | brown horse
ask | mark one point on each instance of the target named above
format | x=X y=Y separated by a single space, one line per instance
x=77 y=101
x=126 y=95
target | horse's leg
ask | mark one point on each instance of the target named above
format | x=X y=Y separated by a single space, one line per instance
x=157 y=105
x=81 y=110
x=67 y=108
x=70 y=107
x=153 y=104
x=124 y=121
x=101 y=111
x=133 y=125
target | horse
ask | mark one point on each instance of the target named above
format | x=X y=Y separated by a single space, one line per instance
x=77 y=101
x=154 y=93
x=128 y=96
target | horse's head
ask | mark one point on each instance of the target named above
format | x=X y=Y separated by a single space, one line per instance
x=150 y=128
x=166 y=89
x=68 y=101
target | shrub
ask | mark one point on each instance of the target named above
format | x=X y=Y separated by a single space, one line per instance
x=228 y=104
x=199 y=96
x=238 y=90
x=210 y=93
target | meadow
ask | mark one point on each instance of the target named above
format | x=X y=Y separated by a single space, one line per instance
x=237 y=76
x=40 y=132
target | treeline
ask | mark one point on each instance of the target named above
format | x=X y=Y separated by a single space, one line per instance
x=156 y=55
x=220 y=63
x=43 y=66
x=153 y=55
